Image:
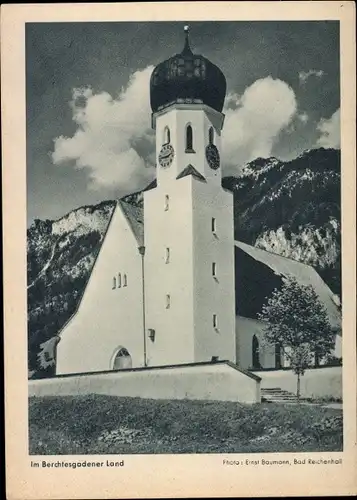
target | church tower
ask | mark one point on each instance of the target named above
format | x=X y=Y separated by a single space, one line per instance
x=189 y=242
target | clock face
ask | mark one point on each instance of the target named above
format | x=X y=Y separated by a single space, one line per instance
x=212 y=156
x=166 y=155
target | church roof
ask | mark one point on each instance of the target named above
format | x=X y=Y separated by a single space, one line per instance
x=190 y=170
x=258 y=273
x=135 y=217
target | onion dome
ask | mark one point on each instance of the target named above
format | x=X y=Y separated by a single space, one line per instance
x=187 y=78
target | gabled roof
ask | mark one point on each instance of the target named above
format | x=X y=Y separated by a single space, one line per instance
x=135 y=217
x=258 y=273
x=190 y=170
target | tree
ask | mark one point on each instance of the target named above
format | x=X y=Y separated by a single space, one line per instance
x=297 y=321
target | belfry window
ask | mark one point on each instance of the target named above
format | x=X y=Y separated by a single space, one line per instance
x=125 y=280
x=119 y=280
x=189 y=139
x=167 y=256
x=211 y=136
x=167 y=136
x=167 y=200
x=168 y=301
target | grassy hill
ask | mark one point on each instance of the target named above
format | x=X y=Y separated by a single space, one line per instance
x=97 y=424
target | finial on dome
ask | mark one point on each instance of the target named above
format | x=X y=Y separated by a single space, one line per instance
x=187 y=49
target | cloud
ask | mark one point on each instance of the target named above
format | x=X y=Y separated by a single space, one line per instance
x=329 y=129
x=305 y=75
x=254 y=121
x=113 y=141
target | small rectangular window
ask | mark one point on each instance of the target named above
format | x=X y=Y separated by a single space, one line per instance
x=214 y=269
x=167 y=256
x=213 y=225
x=168 y=301
x=214 y=321
x=114 y=283
x=125 y=280
x=119 y=280
x=167 y=200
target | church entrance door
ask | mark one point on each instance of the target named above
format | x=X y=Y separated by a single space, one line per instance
x=122 y=359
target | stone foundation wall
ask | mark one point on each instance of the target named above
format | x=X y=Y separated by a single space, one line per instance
x=220 y=381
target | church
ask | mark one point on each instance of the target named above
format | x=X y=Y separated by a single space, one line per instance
x=170 y=285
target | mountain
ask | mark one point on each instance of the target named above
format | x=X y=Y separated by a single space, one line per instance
x=60 y=255
x=290 y=208
x=293 y=209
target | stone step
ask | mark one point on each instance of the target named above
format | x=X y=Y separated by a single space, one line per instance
x=275 y=392
x=284 y=398
x=284 y=393
x=278 y=395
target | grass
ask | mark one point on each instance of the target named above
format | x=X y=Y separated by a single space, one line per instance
x=96 y=424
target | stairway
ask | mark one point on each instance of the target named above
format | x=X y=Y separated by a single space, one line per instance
x=278 y=395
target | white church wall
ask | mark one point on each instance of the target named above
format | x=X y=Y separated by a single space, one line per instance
x=177 y=119
x=246 y=328
x=170 y=229
x=213 y=295
x=338 y=347
x=206 y=382
x=107 y=318
x=324 y=382
x=167 y=120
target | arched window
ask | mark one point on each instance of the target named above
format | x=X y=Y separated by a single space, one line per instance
x=189 y=139
x=122 y=359
x=125 y=280
x=255 y=352
x=167 y=135
x=119 y=280
x=211 y=135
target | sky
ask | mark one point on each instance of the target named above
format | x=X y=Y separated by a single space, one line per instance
x=89 y=135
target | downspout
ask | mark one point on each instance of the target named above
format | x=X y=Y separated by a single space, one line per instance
x=142 y=253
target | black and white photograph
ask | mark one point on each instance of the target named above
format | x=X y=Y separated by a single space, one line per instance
x=184 y=282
